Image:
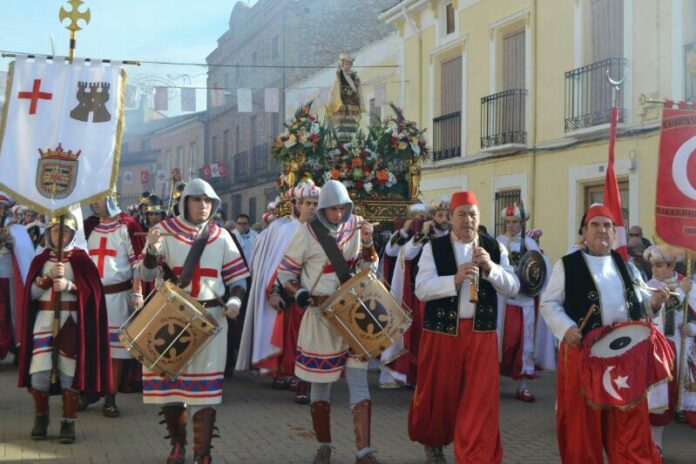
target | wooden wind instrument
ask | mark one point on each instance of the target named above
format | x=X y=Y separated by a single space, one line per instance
x=473 y=288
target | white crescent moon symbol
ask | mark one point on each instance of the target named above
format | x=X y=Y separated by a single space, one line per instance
x=606 y=382
x=679 y=168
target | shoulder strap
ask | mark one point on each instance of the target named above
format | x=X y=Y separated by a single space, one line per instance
x=328 y=244
x=193 y=256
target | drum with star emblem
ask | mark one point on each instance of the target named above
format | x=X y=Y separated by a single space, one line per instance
x=366 y=315
x=168 y=331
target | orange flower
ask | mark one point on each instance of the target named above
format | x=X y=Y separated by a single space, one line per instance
x=335 y=174
x=357 y=162
x=382 y=176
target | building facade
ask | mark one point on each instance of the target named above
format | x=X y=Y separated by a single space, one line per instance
x=517 y=101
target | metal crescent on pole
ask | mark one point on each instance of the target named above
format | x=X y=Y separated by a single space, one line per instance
x=616 y=84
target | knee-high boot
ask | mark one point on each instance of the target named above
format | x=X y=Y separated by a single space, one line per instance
x=40 y=429
x=362 y=416
x=321 y=421
x=67 y=425
x=175 y=419
x=203 y=432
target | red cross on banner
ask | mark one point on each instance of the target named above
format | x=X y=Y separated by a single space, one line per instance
x=35 y=95
x=102 y=252
x=196 y=278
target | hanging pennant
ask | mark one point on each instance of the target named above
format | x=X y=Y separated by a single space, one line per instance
x=244 y=101
x=188 y=99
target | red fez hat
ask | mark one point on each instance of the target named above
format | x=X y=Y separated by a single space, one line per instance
x=463 y=198
x=598 y=210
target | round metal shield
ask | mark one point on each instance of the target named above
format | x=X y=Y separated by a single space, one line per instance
x=532 y=273
x=619 y=341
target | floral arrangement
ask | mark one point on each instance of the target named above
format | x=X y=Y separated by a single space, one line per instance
x=375 y=164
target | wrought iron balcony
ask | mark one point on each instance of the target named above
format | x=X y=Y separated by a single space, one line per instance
x=260 y=156
x=447 y=136
x=503 y=118
x=588 y=94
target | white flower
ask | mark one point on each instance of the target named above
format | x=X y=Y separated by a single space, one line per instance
x=314 y=129
x=348 y=183
x=416 y=148
x=368 y=186
x=327 y=176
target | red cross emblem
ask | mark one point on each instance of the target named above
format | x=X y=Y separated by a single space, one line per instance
x=196 y=278
x=35 y=95
x=102 y=252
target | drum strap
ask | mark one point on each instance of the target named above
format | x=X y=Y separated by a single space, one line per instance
x=192 y=258
x=330 y=247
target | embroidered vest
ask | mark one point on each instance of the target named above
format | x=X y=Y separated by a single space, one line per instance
x=442 y=315
x=581 y=291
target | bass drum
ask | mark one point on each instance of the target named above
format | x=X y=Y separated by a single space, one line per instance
x=532 y=272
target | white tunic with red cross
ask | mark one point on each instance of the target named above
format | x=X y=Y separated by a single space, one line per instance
x=220 y=265
x=112 y=252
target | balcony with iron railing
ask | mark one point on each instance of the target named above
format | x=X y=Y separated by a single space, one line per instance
x=503 y=121
x=588 y=96
x=241 y=166
x=447 y=136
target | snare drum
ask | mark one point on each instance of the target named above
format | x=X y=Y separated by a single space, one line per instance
x=168 y=331
x=621 y=362
x=366 y=315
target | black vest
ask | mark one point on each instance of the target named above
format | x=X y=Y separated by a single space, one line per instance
x=442 y=315
x=581 y=291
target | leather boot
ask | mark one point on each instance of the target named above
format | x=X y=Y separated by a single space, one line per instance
x=362 y=414
x=40 y=429
x=67 y=427
x=203 y=433
x=321 y=421
x=302 y=392
x=175 y=419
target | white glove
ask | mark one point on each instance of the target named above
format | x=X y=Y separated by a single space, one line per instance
x=232 y=307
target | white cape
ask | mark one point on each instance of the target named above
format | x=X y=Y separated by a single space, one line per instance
x=255 y=345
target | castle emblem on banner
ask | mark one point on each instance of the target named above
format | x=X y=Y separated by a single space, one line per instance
x=56 y=173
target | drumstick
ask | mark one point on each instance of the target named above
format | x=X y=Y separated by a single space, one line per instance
x=587 y=316
x=162 y=234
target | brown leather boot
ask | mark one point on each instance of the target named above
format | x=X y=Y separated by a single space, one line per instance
x=40 y=429
x=321 y=421
x=175 y=418
x=203 y=433
x=362 y=414
x=67 y=427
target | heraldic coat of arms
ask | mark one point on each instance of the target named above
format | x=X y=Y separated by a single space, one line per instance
x=56 y=173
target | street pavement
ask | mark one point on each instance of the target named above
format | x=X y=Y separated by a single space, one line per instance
x=261 y=425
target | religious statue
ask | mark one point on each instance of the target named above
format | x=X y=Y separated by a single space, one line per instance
x=345 y=100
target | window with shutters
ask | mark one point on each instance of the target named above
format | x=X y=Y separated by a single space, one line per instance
x=447 y=127
x=594 y=193
x=449 y=19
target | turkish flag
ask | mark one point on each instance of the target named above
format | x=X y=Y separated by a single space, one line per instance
x=612 y=197
x=675 y=202
x=144 y=177
x=206 y=171
x=222 y=169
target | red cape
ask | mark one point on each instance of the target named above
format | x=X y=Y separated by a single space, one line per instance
x=134 y=226
x=93 y=371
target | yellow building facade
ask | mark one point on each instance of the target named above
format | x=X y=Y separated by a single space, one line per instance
x=516 y=100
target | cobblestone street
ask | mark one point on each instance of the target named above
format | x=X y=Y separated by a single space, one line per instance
x=261 y=425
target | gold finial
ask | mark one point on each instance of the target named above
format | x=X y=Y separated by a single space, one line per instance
x=74 y=15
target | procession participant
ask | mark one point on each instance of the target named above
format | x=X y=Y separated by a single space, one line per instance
x=16 y=254
x=83 y=360
x=271 y=327
x=517 y=323
x=217 y=269
x=457 y=395
x=246 y=238
x=154 y=211
x=114 y=250
x=35 y=228
x=175 y=200
x=661 y=398
x=402 y=286
x=310 y=275
x=599 y=278
x=345 y=100
x=142 y=203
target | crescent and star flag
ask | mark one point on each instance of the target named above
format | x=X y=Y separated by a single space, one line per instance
x=144 y=177
x=675 y=203
x=612 y=197
x=62 y=139
x=161 y=99
x=222 y=169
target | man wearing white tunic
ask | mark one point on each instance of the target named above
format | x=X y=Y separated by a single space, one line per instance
x=518 y=319
x=219 y=269
x=322 y=354
x=271 y=325
x=110 y=247
x=597 y=277
x=661 y=398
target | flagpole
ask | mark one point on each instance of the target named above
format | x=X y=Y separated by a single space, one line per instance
x=682 y=338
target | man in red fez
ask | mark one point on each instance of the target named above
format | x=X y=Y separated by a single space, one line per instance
x=457 y=397
x=600 y=278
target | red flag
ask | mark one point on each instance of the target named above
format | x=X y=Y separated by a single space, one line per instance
x=206 y=171
x=612 y=197
x=222 y=169
x=144 y=177
x=675 y=202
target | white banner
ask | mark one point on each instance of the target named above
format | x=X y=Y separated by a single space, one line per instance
x=62 y=135
x=244 y=101
x=127 y=177
x=272 y=100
